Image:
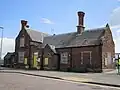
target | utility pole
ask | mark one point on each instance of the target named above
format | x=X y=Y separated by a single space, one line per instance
x=1 y=43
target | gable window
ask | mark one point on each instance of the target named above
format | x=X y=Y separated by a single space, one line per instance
x=22 y=42
x=21 y=57
x=64 y=58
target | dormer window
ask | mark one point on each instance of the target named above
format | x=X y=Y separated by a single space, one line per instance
x=22 y=41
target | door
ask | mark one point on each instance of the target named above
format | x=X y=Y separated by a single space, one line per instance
x=87 y=59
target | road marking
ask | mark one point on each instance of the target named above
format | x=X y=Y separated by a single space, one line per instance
x=78 y=82
x=103 y=86
x=77 y=79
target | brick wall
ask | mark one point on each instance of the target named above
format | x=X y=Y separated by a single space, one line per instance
x=108 y=48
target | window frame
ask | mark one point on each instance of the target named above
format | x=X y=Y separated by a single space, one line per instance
x=22 y=41
x=64 y=58
x=21 y=54
x=90 y=58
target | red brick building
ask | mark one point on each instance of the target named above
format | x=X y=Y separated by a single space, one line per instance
x=27 y=46
x=82 y=50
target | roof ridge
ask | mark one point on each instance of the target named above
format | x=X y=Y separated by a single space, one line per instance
x=36 y=31
x=61 y=34
x=96 y=29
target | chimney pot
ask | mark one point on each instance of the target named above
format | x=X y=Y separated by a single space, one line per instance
x=23 y=23
x=81 y=18
x=81 y=13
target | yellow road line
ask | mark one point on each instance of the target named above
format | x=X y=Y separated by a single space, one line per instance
x=77 y=79
x=80 y=82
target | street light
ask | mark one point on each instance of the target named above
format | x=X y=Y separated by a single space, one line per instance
x=1 y=43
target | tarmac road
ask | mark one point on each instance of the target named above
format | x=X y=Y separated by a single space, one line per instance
x=11 y=81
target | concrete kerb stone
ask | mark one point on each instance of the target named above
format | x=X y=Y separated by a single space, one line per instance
x=104 y=84
x=73 y=80
x=32 y=74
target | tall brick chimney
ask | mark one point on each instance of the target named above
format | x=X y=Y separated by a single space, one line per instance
x=80 y=27
x=23 y=23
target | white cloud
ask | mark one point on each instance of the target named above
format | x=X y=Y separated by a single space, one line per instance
x=115 y=26
x=46 y=21
x=8 y=45
x=115 y=18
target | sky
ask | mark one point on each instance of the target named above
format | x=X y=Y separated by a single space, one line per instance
x=53 y=16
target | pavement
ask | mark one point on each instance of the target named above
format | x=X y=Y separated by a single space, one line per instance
x=15 y=81
x=106 y=78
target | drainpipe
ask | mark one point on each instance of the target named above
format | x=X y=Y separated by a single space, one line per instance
x=71 y=59
x=41 y=62
x=29 y=55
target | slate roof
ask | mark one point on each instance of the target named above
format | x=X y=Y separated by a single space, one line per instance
x=60 y=40
x=36 y=35
x=8 y=55
x=73 y=39
x=52 y=47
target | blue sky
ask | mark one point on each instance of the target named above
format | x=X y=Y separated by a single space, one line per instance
x=60 y=16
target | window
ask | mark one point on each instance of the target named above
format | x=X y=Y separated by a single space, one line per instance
x=81 y=57
x=21 y=57
x=25 y=61
x=64 y=58
x=22 y=42
x=86 y=55
x=106 y=62
x=46 y=61
x=109 y=56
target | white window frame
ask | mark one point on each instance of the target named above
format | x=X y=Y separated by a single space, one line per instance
x=64 y=58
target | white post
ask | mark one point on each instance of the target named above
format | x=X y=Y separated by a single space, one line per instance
x=1 y=43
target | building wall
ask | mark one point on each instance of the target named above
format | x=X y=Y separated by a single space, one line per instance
x=41 y=57
x=9 y=59
x=22 y=49
x=74 y=59
x=65 y=66
x=96 y=60
x=52 y=59
x=108 y=50
x=34 y=49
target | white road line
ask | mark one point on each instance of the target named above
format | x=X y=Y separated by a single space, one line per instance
x=103 y=86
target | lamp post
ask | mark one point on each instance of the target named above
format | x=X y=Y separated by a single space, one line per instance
x=1 y=43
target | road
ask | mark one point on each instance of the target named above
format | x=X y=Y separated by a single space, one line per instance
x=10 y=81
